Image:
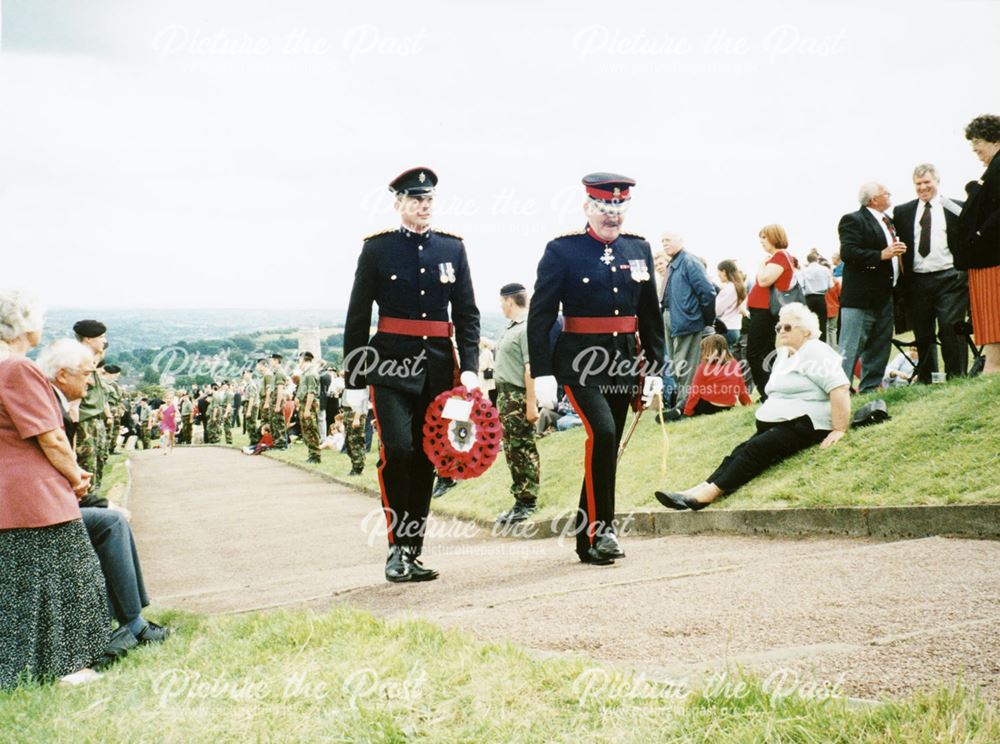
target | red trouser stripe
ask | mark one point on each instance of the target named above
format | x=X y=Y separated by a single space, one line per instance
x=588 y=471
x=381 y=464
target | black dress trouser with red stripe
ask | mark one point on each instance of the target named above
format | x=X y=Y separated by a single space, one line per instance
x=603 y=416
x=406 y=476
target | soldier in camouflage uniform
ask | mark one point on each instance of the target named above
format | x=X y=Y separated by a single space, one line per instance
x=516 y=403
x=266 y=396
x=115 y=396
x=279 y=383
x=211 y=416
x=307 y=397
x=142 y=418
x=91 y=437
x=251 y=397
x=227 y=411
x=187 y=418
x=354 y=439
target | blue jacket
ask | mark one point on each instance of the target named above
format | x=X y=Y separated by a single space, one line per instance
x=689 y=296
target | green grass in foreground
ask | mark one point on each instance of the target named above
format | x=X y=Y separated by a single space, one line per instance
x=347 y=676
x=940 y=447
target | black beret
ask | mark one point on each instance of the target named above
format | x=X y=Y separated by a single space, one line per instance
x=276 y=355
x=112 y=369
x=414 y=182
x=89 y=328
x=511 y=289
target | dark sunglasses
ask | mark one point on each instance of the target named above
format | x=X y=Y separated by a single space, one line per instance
x=786 y=327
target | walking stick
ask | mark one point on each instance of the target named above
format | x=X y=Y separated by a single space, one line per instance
x=635 y=422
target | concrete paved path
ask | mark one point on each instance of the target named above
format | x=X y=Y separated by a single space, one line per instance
x=221 y=532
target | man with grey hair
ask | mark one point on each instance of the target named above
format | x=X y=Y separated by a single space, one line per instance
x=688 y=307
x=69 y=366
x=67 y=363
x=871 y=254
x=935 y=291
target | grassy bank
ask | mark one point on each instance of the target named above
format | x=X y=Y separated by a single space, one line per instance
x=939 y=448
x=346 y=676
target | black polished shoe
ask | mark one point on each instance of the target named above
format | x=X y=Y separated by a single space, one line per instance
x=153 y=633
x=518 y=513
x=396 y=569
x=595 y=558
x=418 y=572
x=672 y=500
x=680 y=501
x=355 y=472
x=442 y=487
x=607 y=545
x=314 y=459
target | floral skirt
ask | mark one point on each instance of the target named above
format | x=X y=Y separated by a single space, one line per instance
x=53 y=603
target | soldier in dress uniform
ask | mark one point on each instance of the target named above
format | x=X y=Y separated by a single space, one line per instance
x=187 y=418
x=413 y=273
x=307 y=398
x=603 y=279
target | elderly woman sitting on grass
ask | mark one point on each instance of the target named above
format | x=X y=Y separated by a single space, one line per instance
x=808 y=402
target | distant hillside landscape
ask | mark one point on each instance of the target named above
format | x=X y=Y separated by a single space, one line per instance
x=196 y=347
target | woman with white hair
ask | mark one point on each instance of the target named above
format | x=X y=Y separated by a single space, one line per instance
x=808 y=402
x=53 y=608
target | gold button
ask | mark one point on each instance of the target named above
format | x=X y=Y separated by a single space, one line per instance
x=422 y=269
x=614 y=268
x=615 y=289
x=424 y=338
x=586 y=279
x=423 y=292
x=614 y=333
x=616 y=312
x=393 y=277
x=423 y=315
x=420 y=247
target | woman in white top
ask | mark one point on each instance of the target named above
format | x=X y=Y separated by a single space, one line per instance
x=808 y=402
x=729 y=300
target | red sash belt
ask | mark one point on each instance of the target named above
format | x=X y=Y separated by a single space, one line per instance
x=623 y=324
x=423 y=328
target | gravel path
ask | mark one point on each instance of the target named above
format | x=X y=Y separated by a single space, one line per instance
x=220 y=532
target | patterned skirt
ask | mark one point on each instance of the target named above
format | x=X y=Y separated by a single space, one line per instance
x=54 y=615
x=984 y=299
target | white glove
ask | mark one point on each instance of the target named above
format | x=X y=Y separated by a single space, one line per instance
x=546 y=392
x=356 y=400
x=470 y=380
x=652 y=386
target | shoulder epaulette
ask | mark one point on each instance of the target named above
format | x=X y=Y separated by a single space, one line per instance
x=571 y=233
x=380 y=232
x=448 y=234
x=634 y=235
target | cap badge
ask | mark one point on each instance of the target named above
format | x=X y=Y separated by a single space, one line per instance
x=617 y=192
x=421 y=177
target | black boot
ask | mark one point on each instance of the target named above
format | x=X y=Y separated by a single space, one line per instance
x=417 y=571
x=396 y=569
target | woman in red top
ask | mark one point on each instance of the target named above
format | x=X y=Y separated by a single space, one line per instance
x=54 y=620
x=718 y=382
x=776 y=271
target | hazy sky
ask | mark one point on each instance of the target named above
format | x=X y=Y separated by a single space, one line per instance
x=234 y=154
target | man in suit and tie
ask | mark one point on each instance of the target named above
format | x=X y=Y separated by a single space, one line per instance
x=871 y=253
x=935 y=291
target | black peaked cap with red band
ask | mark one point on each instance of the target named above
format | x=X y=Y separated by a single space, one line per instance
x=610 y=188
